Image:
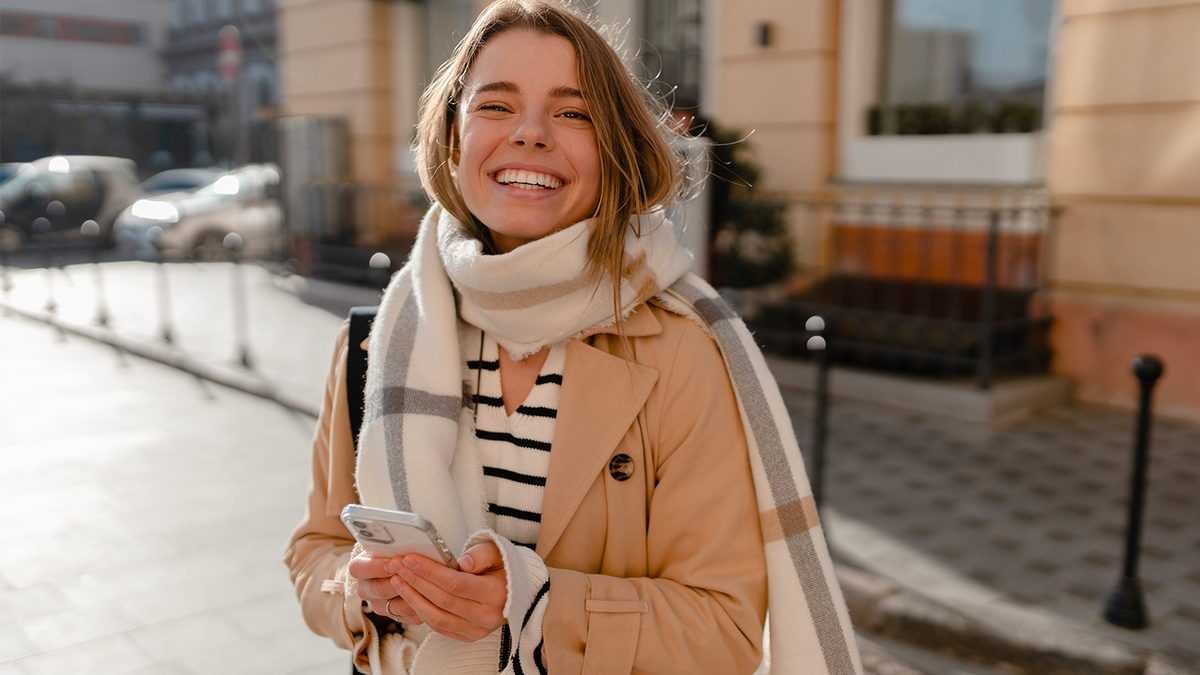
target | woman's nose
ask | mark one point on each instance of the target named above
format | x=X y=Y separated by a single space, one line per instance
x=531 y=131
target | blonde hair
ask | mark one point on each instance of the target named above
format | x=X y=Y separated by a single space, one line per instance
x=638 y=169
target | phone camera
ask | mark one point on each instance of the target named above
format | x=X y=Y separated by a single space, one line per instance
x=361 y=526
x=365 y=534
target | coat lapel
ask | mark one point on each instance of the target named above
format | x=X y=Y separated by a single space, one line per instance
x=601 y=396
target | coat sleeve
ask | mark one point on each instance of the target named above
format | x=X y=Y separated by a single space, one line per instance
x=701 y=606
x=319 y=549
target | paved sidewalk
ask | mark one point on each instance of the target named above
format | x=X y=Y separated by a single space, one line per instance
x=1031 y=515
x=1028 y=518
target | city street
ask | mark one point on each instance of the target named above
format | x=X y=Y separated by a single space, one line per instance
x=145 y=508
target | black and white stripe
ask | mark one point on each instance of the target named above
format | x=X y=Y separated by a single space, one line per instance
x=514 y=449
x=515 y=453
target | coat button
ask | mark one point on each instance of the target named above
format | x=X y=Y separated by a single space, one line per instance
x=621 y=466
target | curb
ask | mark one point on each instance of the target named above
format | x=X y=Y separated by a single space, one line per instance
x=164 y=354
x=1003 y=635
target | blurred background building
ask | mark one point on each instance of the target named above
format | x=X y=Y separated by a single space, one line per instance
x=1090 y=108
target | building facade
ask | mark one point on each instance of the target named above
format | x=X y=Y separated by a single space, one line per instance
x=1089 y=106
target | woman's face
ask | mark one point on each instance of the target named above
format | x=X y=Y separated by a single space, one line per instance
x=527 y=158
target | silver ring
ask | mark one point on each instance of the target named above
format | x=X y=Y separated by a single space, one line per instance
x=387 y=609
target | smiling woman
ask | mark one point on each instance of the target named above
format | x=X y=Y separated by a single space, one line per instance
x=526 y=155
x=588 y=426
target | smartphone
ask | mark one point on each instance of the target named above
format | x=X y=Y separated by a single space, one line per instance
x=387 y=534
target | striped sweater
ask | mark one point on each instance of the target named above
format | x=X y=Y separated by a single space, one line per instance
x=515 y=453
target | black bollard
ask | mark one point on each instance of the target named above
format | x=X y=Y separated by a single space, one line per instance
x=155 y=235
x=233 y=244
x=818 y=345
x=91 y=230
x=1125 y=607
x=381 y=269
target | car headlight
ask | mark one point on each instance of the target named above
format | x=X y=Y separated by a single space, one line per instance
x=157 y=211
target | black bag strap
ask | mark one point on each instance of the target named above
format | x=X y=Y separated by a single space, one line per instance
x=361 y=319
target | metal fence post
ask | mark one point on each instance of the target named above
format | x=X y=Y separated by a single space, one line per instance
x=41 y=226
x=91 y=230
x=987 y=324
x=1125 y=607
x=155 y=235
x=233 y=243
x=819 y=347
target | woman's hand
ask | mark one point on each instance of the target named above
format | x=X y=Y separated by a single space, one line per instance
x=380 y=587
x=466 y=605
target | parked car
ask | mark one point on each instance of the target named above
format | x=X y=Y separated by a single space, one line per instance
x=194 y=224
x=48 y=200
x=177 y=180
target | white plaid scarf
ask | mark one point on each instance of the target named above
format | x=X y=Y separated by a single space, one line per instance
x=417 y=451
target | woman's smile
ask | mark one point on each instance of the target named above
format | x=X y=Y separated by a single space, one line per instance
x=527 y=160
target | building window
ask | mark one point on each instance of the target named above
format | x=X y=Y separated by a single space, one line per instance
x=962 y=67
x=672 y=57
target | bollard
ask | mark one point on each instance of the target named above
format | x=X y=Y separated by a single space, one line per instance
x=818 y=345
x=233 y=244
x=41 y=226
x=91 y=230
x=987 y=319
x=380 y=265
x=155 y=235
x=1125 y=607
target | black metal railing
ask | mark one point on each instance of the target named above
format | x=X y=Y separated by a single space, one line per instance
x=336 y=227
x=926 y=289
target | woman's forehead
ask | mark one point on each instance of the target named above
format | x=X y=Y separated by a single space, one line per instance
x=522 y=58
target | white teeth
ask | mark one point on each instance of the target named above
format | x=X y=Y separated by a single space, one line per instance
x=527 y=179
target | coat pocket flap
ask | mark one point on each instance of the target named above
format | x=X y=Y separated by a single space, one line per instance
x=618 y=606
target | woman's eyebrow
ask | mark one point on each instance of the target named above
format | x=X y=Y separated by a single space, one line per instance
x=510 y=87
x=506 y=86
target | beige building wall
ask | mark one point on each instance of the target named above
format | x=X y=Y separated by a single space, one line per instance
x=339 y=58
x=785 y=92
x=1124 y=162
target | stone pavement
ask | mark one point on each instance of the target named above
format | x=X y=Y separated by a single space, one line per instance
x=1035 y=512
x=143 y=514
x=1027 y=516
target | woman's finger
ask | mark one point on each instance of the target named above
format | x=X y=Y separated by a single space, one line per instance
x=363 y=566
x=439 y=620
x=476 y=596
x=396 y=608
x=379 y=589
x=480 y=558
x=477 y=599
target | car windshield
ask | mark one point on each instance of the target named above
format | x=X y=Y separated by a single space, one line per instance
x=172 y=181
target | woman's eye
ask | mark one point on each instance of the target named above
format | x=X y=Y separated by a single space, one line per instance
x=576 y=115
x=492 y=106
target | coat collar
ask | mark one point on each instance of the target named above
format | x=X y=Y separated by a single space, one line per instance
x=641 y=323
x=601 y=396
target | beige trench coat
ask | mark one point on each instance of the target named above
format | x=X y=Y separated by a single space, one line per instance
x=661 y=573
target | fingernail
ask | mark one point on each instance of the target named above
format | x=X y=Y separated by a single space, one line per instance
x=467 y=563
x=410 y=563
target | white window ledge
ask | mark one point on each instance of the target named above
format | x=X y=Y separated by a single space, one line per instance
x=1013 y=159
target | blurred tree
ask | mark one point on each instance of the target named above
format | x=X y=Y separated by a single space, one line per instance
x=749 y=245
